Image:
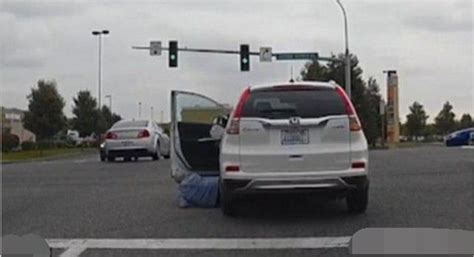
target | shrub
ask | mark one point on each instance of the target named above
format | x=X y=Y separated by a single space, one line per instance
x=61 y=144
x=28 y=145
x=9 y=142
x=45 y=144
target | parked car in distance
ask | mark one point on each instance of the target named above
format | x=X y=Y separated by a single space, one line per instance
x=135 y=138
x=300 y=137
x=460 y=137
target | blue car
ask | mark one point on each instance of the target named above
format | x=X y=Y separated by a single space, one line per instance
x=461 y=137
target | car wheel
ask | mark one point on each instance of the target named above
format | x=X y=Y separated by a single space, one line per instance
x=357 y=200
x=110 y=158
x=102 y=158
x=227 y=202
x=156 y=155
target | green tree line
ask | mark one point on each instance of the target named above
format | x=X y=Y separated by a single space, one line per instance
x=416 y=125
x=366 y=98
x=45 y=116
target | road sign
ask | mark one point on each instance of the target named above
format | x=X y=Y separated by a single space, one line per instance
x=297 y=56
x=155 y=47
x=265 y=54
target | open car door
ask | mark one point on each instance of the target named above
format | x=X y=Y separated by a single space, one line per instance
x=193 y=149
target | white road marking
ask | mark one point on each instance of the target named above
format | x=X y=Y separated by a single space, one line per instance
x=74 y=247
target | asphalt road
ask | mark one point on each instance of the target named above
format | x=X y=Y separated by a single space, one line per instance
x=83 y=198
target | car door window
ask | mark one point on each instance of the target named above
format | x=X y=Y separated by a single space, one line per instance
x=193 y=118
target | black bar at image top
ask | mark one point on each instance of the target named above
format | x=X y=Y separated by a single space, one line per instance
x=173 y=54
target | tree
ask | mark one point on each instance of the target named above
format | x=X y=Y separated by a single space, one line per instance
x=373 y=117
x=445 y=122
x=366 y=101
x=9 y=141
x=430 y=133
x=45 y=110
x=416 y=121
x=466 y=121
x=87 y=116
x=109 y=117
x=115 y=118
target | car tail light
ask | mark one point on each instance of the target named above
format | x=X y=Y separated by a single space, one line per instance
x=234 y=125
x=232 y=168
x=110 y=135
x=144 y=133
x=358 y=165
x=354 y=122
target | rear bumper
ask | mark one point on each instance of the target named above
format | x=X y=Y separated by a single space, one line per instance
x=327 y=186
x=129 y=153
x=122 y=148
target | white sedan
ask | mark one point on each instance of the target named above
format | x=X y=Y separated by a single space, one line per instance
x=135 y=138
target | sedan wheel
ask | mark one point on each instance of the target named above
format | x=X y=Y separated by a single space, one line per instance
x=156 y=155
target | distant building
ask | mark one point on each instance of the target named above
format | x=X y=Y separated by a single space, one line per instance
x=12 y=121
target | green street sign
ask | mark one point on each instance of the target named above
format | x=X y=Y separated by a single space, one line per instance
x=297 y=56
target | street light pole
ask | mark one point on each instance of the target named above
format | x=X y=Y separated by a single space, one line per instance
x=110 y=102
x=139 y=110
x=99 y=93
x=348 y=58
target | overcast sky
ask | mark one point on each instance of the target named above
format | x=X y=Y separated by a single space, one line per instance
x=430 y=43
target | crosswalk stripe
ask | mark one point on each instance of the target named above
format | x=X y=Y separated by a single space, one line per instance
x=74 y=247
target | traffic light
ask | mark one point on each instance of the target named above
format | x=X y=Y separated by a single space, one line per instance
x=244 y=58
x=173 y=53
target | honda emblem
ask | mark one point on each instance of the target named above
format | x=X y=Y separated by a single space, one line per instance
x=295 y=121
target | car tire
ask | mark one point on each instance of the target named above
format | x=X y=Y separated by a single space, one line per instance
x=102 y=158
x=227 y=202
x=358 y=199
x=156 y=155
x=110 y=158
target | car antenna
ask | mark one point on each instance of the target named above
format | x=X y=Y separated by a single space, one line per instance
x=291 y=75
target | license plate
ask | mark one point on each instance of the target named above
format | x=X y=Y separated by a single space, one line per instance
x=294 y=137
x=127 y=143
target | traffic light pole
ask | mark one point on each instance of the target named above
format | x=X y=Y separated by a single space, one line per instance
x=217 y=51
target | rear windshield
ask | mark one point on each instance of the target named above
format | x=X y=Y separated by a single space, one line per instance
x=131 y=124
x=283 y=104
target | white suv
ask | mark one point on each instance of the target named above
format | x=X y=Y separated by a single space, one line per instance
x=288 y=137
